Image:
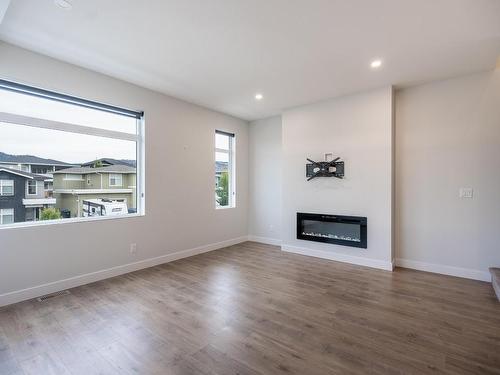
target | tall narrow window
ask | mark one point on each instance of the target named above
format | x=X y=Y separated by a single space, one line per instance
x=32 y=190
x=225 y=195
x=71 y=154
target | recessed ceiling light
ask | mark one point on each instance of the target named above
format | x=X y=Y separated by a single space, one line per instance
x=259 y=96
x=64 y=4
x=376 y=64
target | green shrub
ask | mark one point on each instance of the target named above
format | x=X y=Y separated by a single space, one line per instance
x=50 y=213
x=222 y=190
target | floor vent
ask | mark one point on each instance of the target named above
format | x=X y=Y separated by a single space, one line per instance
x=53 y=295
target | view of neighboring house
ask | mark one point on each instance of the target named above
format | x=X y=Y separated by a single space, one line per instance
x=35 y=165
x=22 y=196
x=75 y=186
x=28 y=184
x=220 y=166
x=32 y=164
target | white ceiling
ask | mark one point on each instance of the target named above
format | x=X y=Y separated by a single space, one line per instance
x=219 y=53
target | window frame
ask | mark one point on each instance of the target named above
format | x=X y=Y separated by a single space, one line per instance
x=2 y=184
x=28 y=187
x=231 y=152
x=113 y=175
x=138 y=138
x=2 y=214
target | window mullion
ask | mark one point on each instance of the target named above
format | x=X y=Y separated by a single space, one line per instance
x=64 y=126
x=61 y=126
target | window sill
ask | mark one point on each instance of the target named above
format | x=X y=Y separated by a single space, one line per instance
x=225 y=207
x=74 y=220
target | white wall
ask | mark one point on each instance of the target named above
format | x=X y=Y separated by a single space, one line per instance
x=179 y=184
x=264 y=210
x=447 y=137
x=357 y=128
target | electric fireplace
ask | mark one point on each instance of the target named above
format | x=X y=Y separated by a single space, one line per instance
x=336 y=229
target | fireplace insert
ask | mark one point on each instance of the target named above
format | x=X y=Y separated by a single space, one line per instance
x=336 y=229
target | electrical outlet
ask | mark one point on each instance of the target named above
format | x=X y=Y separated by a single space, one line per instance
x=133 y=248
x=466 y=193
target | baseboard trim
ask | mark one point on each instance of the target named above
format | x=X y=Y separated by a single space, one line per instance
x=367 y=262
x=72 y=282
x=467 y=273
x=266 y=240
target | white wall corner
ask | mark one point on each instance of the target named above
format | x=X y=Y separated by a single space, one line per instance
x=4 y=5
x=367 y=262
x=265 y=240
x=467 y=273
x=72 y=282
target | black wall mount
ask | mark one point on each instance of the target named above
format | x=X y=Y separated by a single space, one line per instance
x=334 y=168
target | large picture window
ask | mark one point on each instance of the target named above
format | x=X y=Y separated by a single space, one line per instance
x=225 y=195
x=68 y=154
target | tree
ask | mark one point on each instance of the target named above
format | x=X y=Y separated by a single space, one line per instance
x=50 y=213
x=223 y=189
x=98 y=164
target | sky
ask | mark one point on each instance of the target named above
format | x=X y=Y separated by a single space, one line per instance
x=63 y=146
x=69 y=147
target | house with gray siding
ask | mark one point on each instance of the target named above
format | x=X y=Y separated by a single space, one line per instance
x=32 y=164
x=36 y=165
x=22 y=196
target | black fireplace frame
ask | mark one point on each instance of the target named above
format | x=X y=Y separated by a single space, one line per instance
x=361 y=221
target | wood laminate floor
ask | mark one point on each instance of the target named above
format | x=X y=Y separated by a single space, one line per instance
x=252 y=309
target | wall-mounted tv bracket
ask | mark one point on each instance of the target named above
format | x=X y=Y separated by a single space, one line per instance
x=332 y=168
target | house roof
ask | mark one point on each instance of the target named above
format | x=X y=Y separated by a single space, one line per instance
x=31 y=176
x=29 y=159
x=125 y=169
x=130 y=163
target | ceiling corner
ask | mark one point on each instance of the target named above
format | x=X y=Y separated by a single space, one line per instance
x=4 y=5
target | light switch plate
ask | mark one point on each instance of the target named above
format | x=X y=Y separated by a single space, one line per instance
x=466 y=193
